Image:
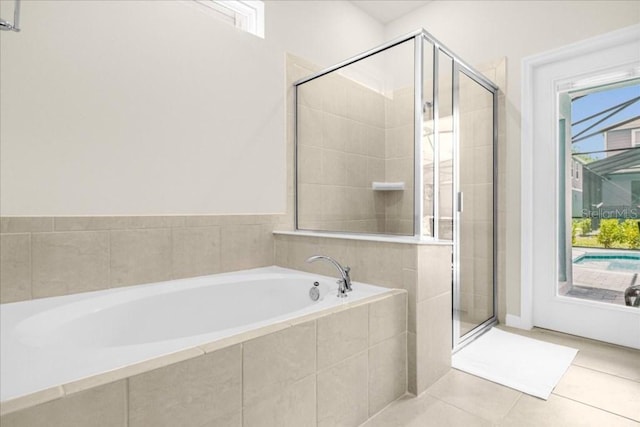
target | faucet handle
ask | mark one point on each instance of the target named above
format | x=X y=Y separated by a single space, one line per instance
x=347 y=269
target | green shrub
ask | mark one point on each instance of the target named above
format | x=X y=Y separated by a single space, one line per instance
x=630 y=233
x=582 y=226
x=610 y=232
x=574 y=231
x=585 y=226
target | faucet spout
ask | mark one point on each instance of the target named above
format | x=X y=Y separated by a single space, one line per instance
x=344 y=283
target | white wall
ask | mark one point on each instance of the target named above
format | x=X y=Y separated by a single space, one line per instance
x=484 y=31
x=155 y=107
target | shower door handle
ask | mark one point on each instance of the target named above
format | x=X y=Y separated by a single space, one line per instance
x=460 y=201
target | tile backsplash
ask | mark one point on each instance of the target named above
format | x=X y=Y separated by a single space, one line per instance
x=51 y=256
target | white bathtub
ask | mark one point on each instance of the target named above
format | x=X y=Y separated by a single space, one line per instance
x=51 y=342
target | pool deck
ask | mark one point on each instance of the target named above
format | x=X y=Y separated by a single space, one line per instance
x=599 y=285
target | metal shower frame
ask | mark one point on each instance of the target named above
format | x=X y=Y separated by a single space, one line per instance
x=15 y=26
x=458 y=66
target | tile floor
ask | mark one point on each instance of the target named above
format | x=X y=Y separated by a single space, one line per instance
x=600 y=389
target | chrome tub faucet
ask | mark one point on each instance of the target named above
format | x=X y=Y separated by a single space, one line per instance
x=344 y=283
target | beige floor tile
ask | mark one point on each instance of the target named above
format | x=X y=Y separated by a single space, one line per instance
x=480 y=397
x=559 y=411
x=596 y=355
x=623 y=362
x=599 y=356
x=463 y=394
x=424 y=411
x=614 y=394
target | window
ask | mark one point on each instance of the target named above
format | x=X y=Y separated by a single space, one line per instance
x=635 y=137
x=247 y=15
x=635 y=193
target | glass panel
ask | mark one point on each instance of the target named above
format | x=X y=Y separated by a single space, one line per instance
x=428 y=140
x=355 y=146
x=603 y=179
x=476 y=219
x=445 y=147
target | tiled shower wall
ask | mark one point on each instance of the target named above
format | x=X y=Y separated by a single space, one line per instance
x=399 y=161
x=349 y=136
x=50 y=256
x=341 y=151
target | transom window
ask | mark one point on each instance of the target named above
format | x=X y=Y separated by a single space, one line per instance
x=247 y=15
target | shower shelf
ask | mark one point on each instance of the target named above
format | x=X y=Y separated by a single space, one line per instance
x=387 y=186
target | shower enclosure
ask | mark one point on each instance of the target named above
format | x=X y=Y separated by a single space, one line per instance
x=401 y=141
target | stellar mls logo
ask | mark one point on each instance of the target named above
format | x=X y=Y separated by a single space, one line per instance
x=612 y=213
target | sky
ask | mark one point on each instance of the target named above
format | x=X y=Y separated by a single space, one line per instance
x=598 y=101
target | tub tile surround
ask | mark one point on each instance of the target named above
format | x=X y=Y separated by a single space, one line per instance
x=387 y=372
x=64 y=263
x=342 y=392
x=44 y=257
x=100 y=406
x=265 y=377
x=424 y=271
x=294 y=405
x=344 y=334
x=205 y=390
x=274 y=362
x=15 y=267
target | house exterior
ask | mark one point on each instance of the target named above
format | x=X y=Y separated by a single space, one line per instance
x=623 y=136
x=611 y=185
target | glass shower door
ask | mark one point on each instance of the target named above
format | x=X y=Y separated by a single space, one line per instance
x=475 y=305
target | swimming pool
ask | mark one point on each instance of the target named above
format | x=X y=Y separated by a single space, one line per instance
x=626 y=262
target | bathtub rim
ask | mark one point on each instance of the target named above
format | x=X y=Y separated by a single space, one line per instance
x=76 y=386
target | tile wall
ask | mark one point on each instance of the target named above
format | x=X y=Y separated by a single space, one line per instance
x=349 y=136
x=341 y=150
x=333 y=369
x=47 y=256
x=424 y=271
x=399 y=161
